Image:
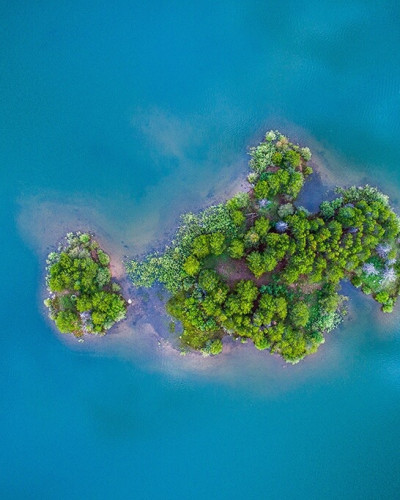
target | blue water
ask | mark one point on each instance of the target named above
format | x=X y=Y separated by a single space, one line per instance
x=118 y=115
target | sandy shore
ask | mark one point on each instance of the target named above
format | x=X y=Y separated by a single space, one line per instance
x=143 y=336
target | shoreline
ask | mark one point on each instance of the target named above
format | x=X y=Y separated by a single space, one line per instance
x=147 y=322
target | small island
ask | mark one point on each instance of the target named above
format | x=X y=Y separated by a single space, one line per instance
x=260 y=268
x=83 y=297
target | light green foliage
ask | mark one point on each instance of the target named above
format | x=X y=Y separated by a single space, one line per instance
x=103 y=276
x=236 y=249
x=256 y=264
x=67 y=322
x=292 y=158
x=84 y=303
x=251 y=238
x=85 y=238
x=277 y=159
x=191 y=265
x=296 y=258
x=262 y=226
x=239 y=202
x=83 y=298
x=382 y=297
x=261 y=156
x=328 y=208
x=217 y=243
x=285 y=210
x=238 y=218
x=262 y=189
x=201 y=246
x=209 y=280
x=215 y=347
x=104 y=259
x=306 y=153
x=299 y=314
x=167 y=268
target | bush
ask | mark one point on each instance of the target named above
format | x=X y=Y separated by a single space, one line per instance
x=104 y=259
x=215 y=347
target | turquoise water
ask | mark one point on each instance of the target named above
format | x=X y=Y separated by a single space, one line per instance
x=120 y=115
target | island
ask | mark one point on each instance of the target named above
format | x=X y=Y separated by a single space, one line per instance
x=261 y=268
x=83 y=297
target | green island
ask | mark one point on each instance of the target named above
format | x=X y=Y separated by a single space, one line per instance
x=258 y=267
x=83 y=297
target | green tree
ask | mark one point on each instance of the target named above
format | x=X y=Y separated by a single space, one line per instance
x=67 y=322
x=256 y=264
x=236 y=249
x=299 y=314
x=217 y=243
x=201 y=246
x=191 y=265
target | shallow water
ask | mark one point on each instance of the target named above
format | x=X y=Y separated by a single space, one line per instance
x=118 y=118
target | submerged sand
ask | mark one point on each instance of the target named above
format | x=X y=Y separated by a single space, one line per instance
x=135 y=228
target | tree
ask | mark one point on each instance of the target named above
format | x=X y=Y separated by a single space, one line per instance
x=256 y=263
x=191 y=265
x=104 y=259
x=261 y=226
x=236 y=249
x=238 y=218
x=299 y=314
x=292 y=158
x=382 y=297
x=201 y=246
x=262 y=190
x=217 y=243
x=285 y=210
x=215 y=347
x=209 y=280
x=327 y=210
x=281 y=307
x=251 y=238
x=67 y=322
x=83 y=303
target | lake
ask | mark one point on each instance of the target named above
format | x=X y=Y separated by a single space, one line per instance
x=120 y=116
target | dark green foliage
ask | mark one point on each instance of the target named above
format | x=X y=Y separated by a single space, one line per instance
x=82 y=297
x=284 y=265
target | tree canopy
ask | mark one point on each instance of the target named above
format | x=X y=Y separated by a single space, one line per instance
x=82 y=296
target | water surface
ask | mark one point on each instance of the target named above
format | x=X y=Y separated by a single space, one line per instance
x=120 y=116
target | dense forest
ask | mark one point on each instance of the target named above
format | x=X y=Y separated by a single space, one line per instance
x=260 y=267
x=83 y=297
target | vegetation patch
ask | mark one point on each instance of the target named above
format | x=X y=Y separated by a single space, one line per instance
x=282 y=293
x=83 y=298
